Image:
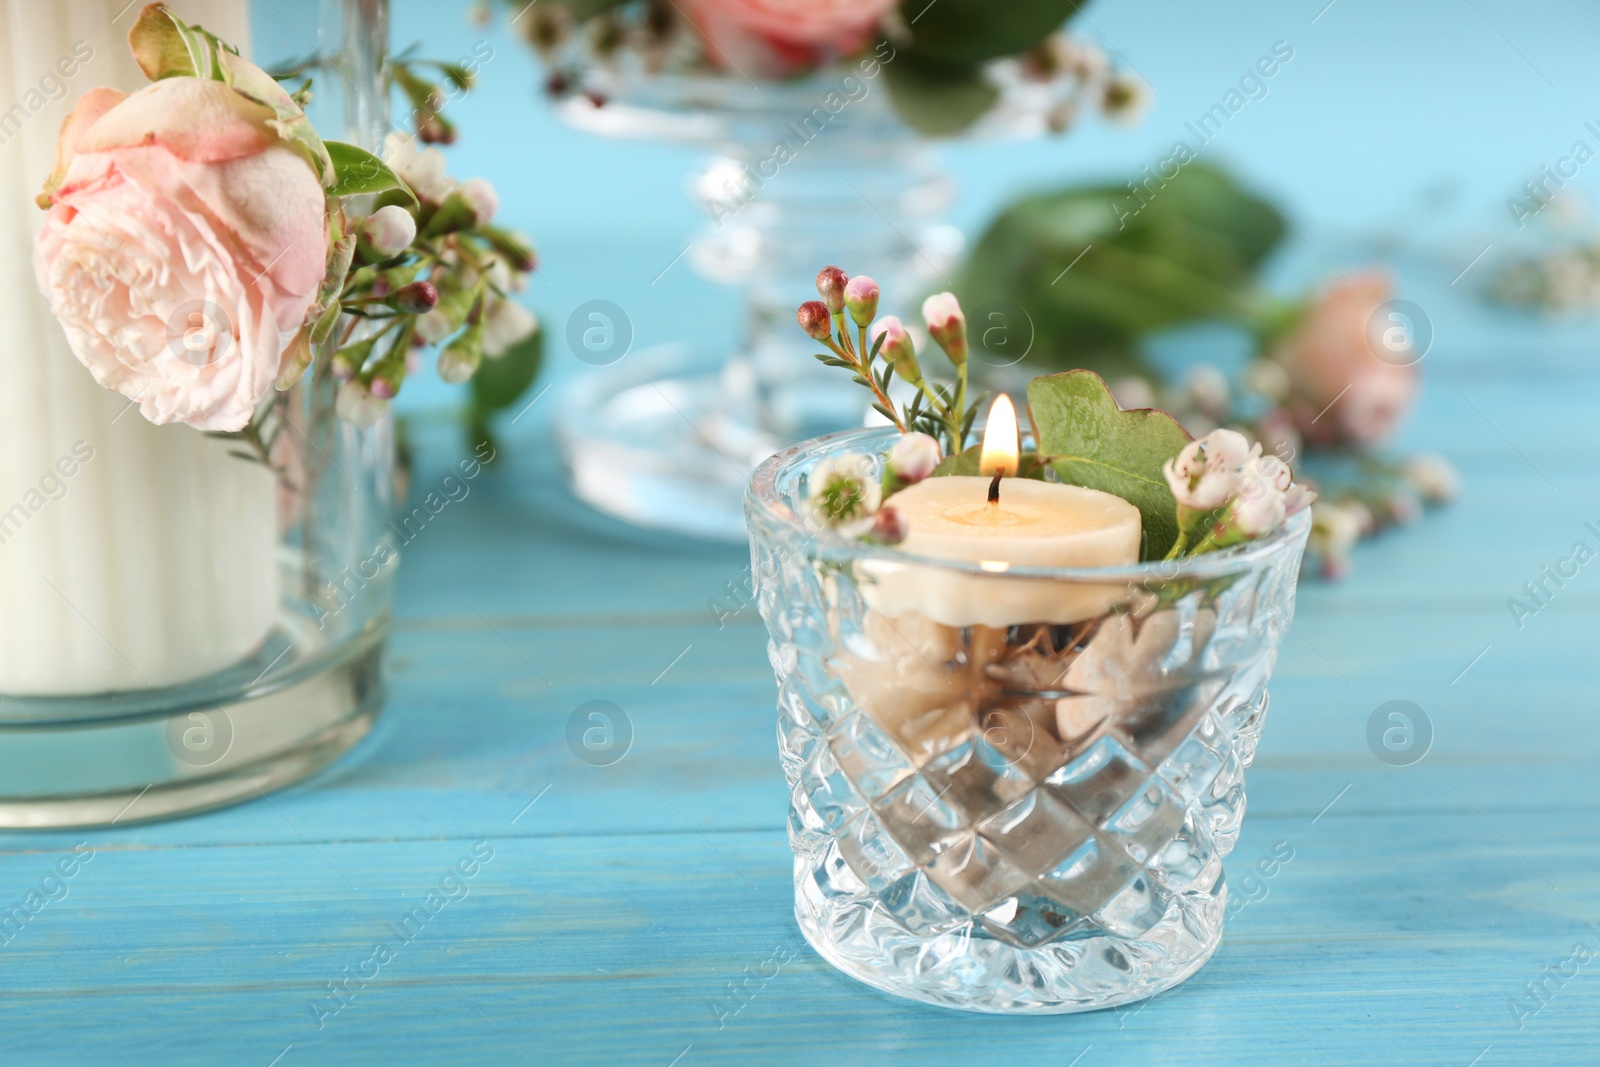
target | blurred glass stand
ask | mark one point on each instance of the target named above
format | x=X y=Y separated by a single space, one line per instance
x=801 y=174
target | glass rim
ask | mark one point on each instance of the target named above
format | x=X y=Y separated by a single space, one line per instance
x=762 y=497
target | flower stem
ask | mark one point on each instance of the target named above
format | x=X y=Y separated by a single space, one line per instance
x=860 y=367
x=961 y=409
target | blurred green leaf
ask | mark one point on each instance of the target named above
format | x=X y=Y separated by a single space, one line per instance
x=1097 y=268
x=964 y=33
x=500 y=382
x=936 y=101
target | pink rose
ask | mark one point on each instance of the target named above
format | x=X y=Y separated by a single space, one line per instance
x=1341 y=390
x=780 y=36
x=183 y=246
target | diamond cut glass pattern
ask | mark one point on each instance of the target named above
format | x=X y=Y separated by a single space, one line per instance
x=1030 y=819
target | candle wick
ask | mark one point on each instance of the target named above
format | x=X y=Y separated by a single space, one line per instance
x=994 y=487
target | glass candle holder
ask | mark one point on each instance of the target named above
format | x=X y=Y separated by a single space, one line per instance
x=1020 y=819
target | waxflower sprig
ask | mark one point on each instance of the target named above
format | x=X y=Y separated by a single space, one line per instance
x=430 y=270
x=846 y=493
x=1193 y=496
x=1228 y=492
x=428 y=85
x=843 y=320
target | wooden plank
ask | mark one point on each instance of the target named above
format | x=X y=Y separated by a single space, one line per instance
x=1384 y=940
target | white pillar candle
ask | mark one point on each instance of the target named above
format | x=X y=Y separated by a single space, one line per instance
x=131 y=555
x=1031 y=524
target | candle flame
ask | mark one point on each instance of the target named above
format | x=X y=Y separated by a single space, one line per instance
x=1000 y=445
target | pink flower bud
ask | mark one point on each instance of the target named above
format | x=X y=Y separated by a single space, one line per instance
x=357 y=405
x=481 y=195
x=831 y=282
x=814 y=320
x=416 y=298
x=912 y=459
x=897 y=348
x=947 y=325
x=861 y=297
x=889 y=527
x=387 y=232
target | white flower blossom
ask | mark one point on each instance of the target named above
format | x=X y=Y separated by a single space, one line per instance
x=843 y=493
x=422 y=170
x=1433 y=477
x=505 y=323
x=1206 y=473
x=1223 y=472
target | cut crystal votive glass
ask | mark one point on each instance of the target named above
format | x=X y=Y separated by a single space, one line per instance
x=1023 y=820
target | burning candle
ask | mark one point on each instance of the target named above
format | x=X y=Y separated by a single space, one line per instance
x=1000 y=522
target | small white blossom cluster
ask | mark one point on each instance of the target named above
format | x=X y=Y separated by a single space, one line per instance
x=846 y=493
x=1241 y=493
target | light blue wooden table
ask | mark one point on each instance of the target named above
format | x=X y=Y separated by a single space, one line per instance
x=611 y=907
x=617 y=904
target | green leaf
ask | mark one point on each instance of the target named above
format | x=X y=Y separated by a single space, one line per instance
x=502 y=379
x=1029 y=465
x=357 y=171
x=322 y=329
x=938 y=101
x=454 y=213
x=1090 y=442
x=964 y=33
x=497 y=384
x=1097 y=269
x=963 y=463
x=165 y=46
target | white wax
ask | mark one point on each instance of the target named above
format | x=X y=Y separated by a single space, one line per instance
x=130 y=555
x=1035 y=524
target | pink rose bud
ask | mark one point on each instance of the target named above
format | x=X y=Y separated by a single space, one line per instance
x=912 y=459
x=814 y=320
x=947 y=325
x=416 y=298
x=888 y=527
x=897 y=348
x=386 y=233
x=831 y=282
x=481 y=195
x=861 y=297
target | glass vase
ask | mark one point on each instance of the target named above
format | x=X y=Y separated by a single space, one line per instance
x=1021 y=820
x=801 y=173
x=186 y=619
